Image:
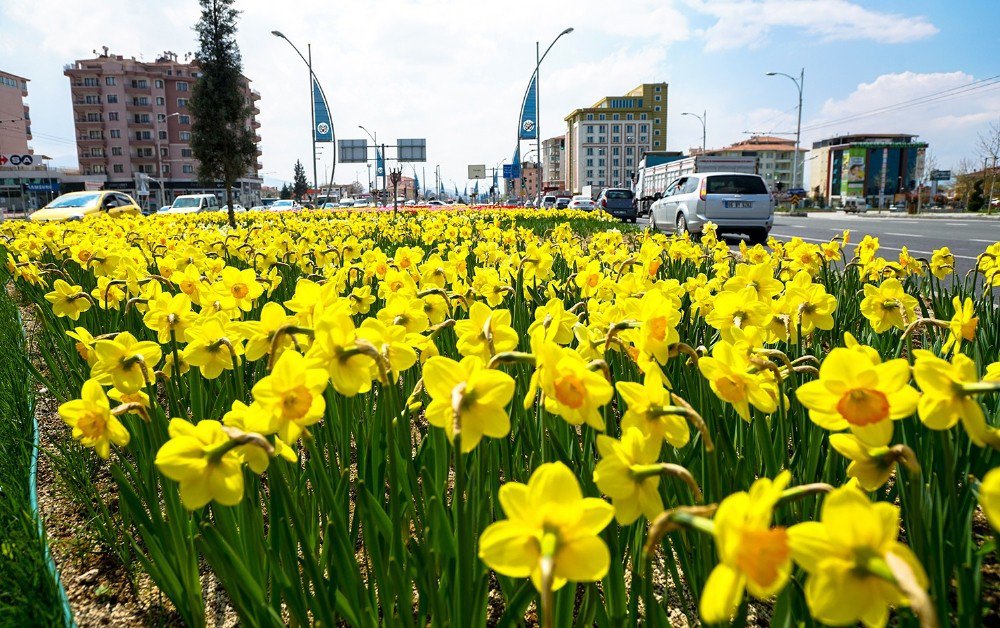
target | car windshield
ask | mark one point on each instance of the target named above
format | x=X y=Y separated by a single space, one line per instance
x=75 y=200
x=626 y=194
x=282 y=203
x=736 y=184
x=186 y=202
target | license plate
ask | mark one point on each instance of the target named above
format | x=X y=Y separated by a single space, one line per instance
x=737 y=204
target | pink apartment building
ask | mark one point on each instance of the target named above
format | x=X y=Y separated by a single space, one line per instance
x=15 y=122
x=132 y=117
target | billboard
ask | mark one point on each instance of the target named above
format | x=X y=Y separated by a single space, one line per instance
x=412 y=149
x=477 y=171
x=852 y=181
x=353 y=151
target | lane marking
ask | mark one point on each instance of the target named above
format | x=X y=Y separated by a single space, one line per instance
x=984 y=241
x=890 y=248
x=904 y=235
x=957 y=224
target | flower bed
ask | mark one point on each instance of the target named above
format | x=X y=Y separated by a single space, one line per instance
x=495 y=416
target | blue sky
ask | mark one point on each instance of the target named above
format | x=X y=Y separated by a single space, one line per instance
x=454 y=71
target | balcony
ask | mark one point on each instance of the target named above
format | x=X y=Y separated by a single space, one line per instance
x=82 y=86
x=130 y=104
x=86 y=139
x=254 y=95
x=135 y=89
x=86 y=122
x=255 y=125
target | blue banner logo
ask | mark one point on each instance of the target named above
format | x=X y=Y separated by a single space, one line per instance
x=322 y=124
x=528 y=129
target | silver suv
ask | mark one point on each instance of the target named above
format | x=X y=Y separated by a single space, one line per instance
x=735 y=202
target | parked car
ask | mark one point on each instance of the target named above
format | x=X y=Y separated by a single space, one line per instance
x=548 y=201
x=581 y=201
x=76 y=205
x=193 y=203
x=330 y=206
x=237 y=208
x=855 y=205
x=361 y=203
x=562 y=202
x=734 y=202
x=619 y=202
x=436 y=203
x=897 y=208
x=284 y=205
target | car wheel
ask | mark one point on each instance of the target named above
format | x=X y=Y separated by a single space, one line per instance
x=681 y=226
x=758 y=236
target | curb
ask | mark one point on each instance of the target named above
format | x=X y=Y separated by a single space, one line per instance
x=33 y=493
x=902 y=216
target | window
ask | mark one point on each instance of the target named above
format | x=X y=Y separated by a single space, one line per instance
x=642 y=116
x=590 y=162
x=92 y=100
x=628 y=116
x=144 y=152
x=590 y=139
x=616 y=150
x=656 y=108
x=656 y=120
x=601 y=139
x=656 y=89
x=116 y=151
x=163 y=135
x=590 y=150
x=90 y=82
x=99 y=169
x=656 y=143
x=590 y=128
x=140 y=83
x=185 y=136
x=160 y=101
x=182 y=87
x=616 y=162
x=161 y=117
x=109 y=80
x=93 y=117
x=112 y=116
x=118 y=168
x=141 y=118
x=656 y=131
x=115 y=133
x=629 y=150
x=97 y=152
x=656 y=98
x=95 y=135
x=166 y=168
x=601 y=117
x=590 y=116
x=735 y=184
x=158 y=83
x=187 y=169
x=143 y=135
x=141 y=101
x=616 y=139
x=186 y=152
x=601 y=162
x=601 y=150
x=164 y=152
x=112 y=99
x=630 y=128
x=182 y=102
x=184 y=119
x=590 y=174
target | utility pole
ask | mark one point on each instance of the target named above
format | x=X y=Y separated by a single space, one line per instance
x=799 y=82
x=312 y=118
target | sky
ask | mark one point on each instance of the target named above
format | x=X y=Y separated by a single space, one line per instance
x=454 y=71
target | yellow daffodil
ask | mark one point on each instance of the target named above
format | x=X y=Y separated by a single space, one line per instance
x=944 y=402
x=69 y=301
x=125 y=363
x=169 y=316
x=555 y=321
x=887 y=305
x=468 y=397
x=202 y=458
x=645 y=410
x=870 y=466
x=485 y=333
x=736 y=381
x=942 y=262
x=855 y=393
x=989 y=497
x=627 y=474
x=336 y=348
x=91 y=419
x=242 y=285
x=550 y=527
x=752 y=555
x=962 y=325
x=292 y=395
x=84 y=344
x=571 y=390
x=260 y=334
x=846 y=554
x=392 y=343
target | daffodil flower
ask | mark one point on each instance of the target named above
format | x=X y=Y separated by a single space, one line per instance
x=125 y=363
x=91 y=419
x=467 y=398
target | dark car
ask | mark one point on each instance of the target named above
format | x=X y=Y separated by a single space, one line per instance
x=619 y=202
x=562 y=202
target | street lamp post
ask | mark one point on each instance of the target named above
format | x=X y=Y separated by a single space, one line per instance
x=373 y=137
x=703 y=118
x=159 y=156
x=312 y=106
x=534 y=77
x=798 y=126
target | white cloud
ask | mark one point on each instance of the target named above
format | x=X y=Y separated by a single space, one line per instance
x=949 y=122
x=748 y=23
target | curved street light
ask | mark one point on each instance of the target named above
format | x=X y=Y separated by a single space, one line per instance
x=798 y=127
x=703 y=118
x=534 y=77
x=312 y=107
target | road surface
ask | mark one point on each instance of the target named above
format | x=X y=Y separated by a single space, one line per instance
x=966 y=238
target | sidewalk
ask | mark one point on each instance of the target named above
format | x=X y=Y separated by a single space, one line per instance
x=903 y=215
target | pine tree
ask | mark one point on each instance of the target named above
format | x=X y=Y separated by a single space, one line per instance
x=285 y=193
x=221 y=137
x=299 y=183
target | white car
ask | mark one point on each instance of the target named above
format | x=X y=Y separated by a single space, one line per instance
x=347 y=202
x=193 y=203
x=735 y=202
x=285 y=205
x=436 y=203
x=581 y=201
x=361 y=203
x=237 y=208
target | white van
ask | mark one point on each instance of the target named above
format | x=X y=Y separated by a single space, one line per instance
x=193 y=203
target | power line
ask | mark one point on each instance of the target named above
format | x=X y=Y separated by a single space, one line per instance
x=934 y=97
